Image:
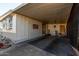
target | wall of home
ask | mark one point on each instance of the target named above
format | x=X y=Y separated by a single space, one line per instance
x=11 y=34
x=34 y=33
x=24 y=28
x=21 y=28
x=52 y=29
x=0 y=25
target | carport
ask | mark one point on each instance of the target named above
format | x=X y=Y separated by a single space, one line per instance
x=48 y=13
x=52 y=13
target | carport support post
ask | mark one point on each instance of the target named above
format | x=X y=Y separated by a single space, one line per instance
x=73 y=25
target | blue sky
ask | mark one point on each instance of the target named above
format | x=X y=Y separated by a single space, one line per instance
x=4 y=7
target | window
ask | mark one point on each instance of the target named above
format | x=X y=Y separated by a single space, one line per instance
x=35 y=26
x=7 y=23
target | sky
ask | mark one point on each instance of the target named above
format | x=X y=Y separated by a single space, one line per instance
x=4 y=7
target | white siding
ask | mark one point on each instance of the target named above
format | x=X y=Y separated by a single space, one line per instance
x=52 y=29
x=21 y=28
x=34 y=33
x=25 y=28
x=0 y=25
x=11 y=33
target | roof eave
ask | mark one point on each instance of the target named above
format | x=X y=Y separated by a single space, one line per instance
x=11 y=11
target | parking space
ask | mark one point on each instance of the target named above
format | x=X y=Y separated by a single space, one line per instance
x=55 y=45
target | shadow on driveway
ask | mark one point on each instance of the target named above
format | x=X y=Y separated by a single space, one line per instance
x=55 y=45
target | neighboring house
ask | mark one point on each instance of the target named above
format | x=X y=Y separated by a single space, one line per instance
x=20 y=28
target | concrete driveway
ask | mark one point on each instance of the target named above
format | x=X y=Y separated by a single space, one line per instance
x=24 y=49
x=42 y=47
